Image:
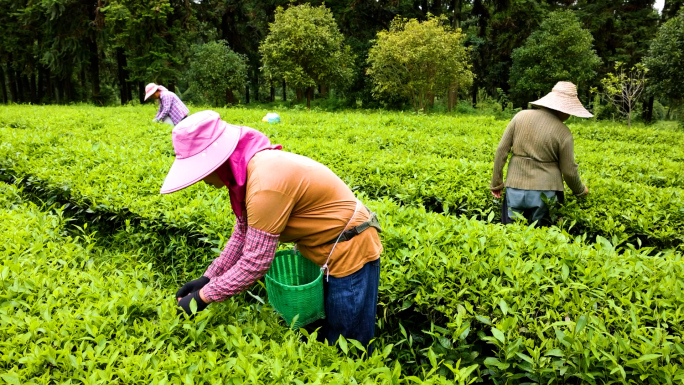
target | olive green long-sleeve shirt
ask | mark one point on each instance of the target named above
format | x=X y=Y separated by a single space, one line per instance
x=542 y=154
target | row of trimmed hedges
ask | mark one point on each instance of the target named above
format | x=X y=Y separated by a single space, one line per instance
x=522 y=303
x=70 y=311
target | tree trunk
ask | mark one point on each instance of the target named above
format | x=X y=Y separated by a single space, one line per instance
x=452 y=98
x=19 y=87
x=124 y=93
x=2 y=85
x=68 y=88
x=247 y=94
x=12 y=81
x=437 y=7
x=230 y=97
x=49 y=91
x=94 y=70
x=309 y=96
x=272 y=93
x=256 y=83
x=41 y=83
x=82 y=78
x=284 y=91
x=430 y=100
x=141 y=92
x=323 y=90
x=32 y=88
x=649 y=110
x=25 y=88
x=64 y=91
x=456 y=9
x=474 y=95
x=300 y=96
x=59 y=90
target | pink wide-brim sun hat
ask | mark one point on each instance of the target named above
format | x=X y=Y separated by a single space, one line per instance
x=563 y=98
x=150 y=89
x=202 y=143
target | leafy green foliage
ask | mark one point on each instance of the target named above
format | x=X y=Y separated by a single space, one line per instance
x=624 y=87
x=535 y=304
x=216 y=70
x=419 y=60
x=560 y=50
x=515 y=302
x=108 y=318
x=305 y=48
x=636 y=196
x=666 y=57
x=153 y=35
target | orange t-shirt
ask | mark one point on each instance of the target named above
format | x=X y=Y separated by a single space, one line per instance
x=306 y=203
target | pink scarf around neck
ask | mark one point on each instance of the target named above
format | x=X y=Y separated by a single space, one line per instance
x=233 y=172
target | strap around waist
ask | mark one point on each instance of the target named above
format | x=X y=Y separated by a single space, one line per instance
x=534 y=160
x=372 y=221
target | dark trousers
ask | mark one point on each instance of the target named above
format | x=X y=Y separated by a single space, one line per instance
x=532 y=210
x=350 y=306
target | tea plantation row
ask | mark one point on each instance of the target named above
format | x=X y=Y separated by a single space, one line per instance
x=73 y=313
x=519 y=302
x=440 y=163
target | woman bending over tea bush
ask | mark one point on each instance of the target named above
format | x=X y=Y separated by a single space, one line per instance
x=279 y=196
x=542 y=156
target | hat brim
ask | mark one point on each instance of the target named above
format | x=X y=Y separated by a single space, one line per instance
x=568 y=105
x=188 y=171
x=151 y=92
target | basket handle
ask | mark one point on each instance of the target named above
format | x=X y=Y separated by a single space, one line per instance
x=325 y=266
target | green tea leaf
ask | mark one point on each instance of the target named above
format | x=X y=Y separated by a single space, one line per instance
x=498 y=334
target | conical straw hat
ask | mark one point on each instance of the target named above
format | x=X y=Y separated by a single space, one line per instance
x=563 y=98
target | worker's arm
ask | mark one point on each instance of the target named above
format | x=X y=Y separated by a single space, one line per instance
x=501 y=157
x=569 y=169
x=267 y=215
x=232 y=252
x=257 y=256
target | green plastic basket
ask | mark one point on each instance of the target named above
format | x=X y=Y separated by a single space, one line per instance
x=295 y=288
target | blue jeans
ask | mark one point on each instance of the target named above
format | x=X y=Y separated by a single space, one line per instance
x=350 y=306
x=529 y=205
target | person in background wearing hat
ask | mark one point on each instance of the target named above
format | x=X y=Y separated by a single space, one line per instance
x=542 y=156
x=171 y=108
x=279 y=196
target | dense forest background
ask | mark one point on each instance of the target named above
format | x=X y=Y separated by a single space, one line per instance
x=105 y=51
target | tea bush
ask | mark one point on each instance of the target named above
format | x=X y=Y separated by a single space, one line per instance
x=442 y=163
x=70 y=312
x=549 y=306
x=545 y=305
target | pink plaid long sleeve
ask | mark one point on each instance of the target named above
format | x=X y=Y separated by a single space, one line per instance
x=171 y=105
x=257 y=256
x=232 y=252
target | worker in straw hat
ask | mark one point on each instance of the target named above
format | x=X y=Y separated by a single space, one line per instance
x=171 y=108
x=542 y=156
x=279 y=196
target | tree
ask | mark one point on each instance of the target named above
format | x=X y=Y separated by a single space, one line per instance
x=665 y=59
x=622 y=30
x=216 y=70
x=671 y=8
x=419 y=60
x=153 y=35
x=305 y=48
x=624 y=87
x=559 y=50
